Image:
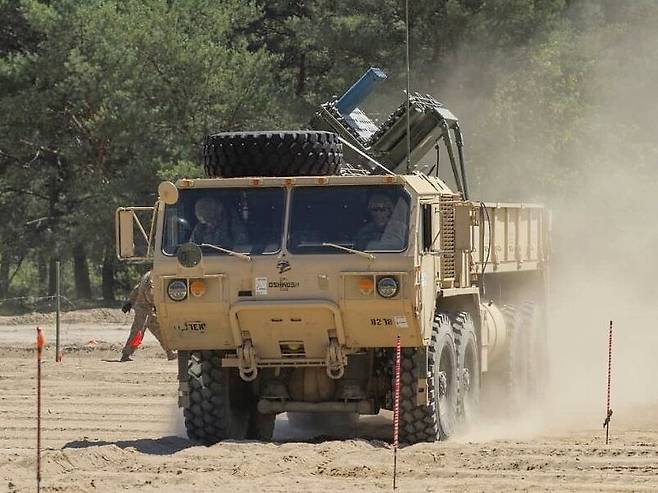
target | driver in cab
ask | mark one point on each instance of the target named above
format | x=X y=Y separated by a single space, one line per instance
x=382 y=231
x=216 y=225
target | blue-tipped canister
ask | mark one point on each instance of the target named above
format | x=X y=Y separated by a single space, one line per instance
x=360 y=90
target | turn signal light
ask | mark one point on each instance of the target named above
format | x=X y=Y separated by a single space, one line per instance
x=197 y=288
x=366 y=285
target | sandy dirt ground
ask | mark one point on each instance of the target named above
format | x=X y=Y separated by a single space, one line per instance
x=110 y=426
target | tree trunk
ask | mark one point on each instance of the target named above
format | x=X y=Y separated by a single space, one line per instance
x=42 y=270
x=81 y=273
x=52 y=276
x=108 y=275
x=4 y=276
x=301 y=75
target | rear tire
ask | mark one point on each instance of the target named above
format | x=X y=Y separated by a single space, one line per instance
x=239 y=154
x=468 y=366
x=218 y=405
x=437 y=420
x=261 y=426
x=537 y=362
x=515 y=374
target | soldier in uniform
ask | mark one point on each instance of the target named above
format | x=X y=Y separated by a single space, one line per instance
x=216 y=225
x=141 y=300
x=382 y=230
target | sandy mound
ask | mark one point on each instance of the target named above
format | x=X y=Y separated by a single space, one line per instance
x=91 y=315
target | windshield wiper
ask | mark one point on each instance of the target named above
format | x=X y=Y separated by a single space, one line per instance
x=367 y=255
x=243 y=256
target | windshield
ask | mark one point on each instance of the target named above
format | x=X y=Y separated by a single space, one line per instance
x=373 y=219
x=242 y=220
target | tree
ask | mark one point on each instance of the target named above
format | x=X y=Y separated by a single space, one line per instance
x=113 y=93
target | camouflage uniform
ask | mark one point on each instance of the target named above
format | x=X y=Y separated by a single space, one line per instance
x=225 y=233
x=382 y=231
x=141 y=300
x=214 y=235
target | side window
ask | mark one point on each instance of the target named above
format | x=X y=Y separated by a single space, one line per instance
x=426 y=232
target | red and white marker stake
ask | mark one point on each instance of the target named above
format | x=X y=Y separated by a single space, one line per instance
x=40 y=344
x=608 y=411
x=396 y=411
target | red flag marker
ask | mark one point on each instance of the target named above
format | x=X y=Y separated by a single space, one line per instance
x=137 y=339
x=41 y=341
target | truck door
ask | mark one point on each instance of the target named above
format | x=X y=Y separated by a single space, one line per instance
x=427 y=264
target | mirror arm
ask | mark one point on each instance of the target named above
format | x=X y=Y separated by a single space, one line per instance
x=151 y=237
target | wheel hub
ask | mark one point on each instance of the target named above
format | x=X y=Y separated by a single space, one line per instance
x=443 y=384
x=466 y=379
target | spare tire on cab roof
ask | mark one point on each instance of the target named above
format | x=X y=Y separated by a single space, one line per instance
x=239 y=154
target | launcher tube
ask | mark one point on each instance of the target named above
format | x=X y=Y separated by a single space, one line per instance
x=360 y=90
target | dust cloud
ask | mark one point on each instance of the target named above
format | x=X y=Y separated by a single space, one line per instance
x=573 y=126
x=576 y=131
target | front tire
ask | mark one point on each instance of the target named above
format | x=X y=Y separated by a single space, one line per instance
x=437 y=419
x=219 y=403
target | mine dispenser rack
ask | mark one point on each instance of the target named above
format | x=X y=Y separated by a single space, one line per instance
x=374 y=149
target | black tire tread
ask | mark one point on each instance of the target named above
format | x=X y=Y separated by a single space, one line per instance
x=210 y=416
x=241 y=154
x=464 y=332
x=421 y=423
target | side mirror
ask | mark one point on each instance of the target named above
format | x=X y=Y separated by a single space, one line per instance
x=168 y=192
x=133 y=240
x=124 y=230
x=431 y=226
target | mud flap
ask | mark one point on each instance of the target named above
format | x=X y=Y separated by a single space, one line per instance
x=420 y=362
x=183 y=379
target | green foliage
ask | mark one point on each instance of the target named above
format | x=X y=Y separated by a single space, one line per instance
x=114 y=93
x=102 y=99
x=180 y=169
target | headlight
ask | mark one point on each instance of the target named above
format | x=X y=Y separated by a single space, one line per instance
x=387 y=287
x=177 y=290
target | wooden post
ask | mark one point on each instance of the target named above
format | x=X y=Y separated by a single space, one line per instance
x=58 y=354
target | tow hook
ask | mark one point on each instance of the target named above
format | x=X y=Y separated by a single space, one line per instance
x=247 y=361
x=335 y=360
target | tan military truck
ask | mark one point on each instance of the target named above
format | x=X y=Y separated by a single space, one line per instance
x=285 y=277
